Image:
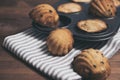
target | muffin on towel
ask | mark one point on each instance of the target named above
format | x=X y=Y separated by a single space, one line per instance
x=92 y=65
x=60 y=42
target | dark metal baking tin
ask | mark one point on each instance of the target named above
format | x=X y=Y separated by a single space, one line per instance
x=73 y=18
x=63 y=22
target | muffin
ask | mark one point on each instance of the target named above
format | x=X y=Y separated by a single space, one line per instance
x=92 y=65
x=103 y=8
x=92 y=25
x=45 y=15
x=85 y=1
x=117 y=3
x=60 y=42
x=69 y=8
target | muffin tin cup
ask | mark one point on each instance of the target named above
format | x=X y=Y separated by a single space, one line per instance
x=63 y=22
x=70 y=21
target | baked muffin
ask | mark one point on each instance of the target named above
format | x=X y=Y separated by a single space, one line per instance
x=60 y=42
x=92 y=25
x=103 y=8
x=45 y=15
x=69 y=7
x=92 y=65
x=85 y=1
x=117 y=3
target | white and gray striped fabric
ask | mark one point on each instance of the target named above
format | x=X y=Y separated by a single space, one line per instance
x=30 y=46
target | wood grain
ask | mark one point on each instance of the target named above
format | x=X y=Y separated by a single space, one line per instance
x=13 y=19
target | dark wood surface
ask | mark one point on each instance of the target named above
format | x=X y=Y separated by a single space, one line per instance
x=13 y=19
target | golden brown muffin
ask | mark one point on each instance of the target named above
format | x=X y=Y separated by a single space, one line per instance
x=45 y=14
x=60 y=41
x=85 y=1
x=117 y=3
x=92 y=65
x=103 y=8
x=92 y=25
x=69 y=8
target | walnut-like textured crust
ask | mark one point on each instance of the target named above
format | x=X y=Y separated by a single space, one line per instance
x=69 y=7
x=45 y=14
x=103 y=8
x=92 y=25
x=85 y=1
x=92 y=65
x=60 y=42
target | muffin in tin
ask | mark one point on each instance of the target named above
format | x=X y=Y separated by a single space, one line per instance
x=45 y=15
x=84 y=1
x=117 y=3
x=69 y=7
x=103 y=8
x=92 y=25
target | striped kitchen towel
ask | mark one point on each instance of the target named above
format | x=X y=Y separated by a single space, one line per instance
x=30 y=45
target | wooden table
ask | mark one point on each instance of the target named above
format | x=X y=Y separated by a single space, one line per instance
x=13 y=19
